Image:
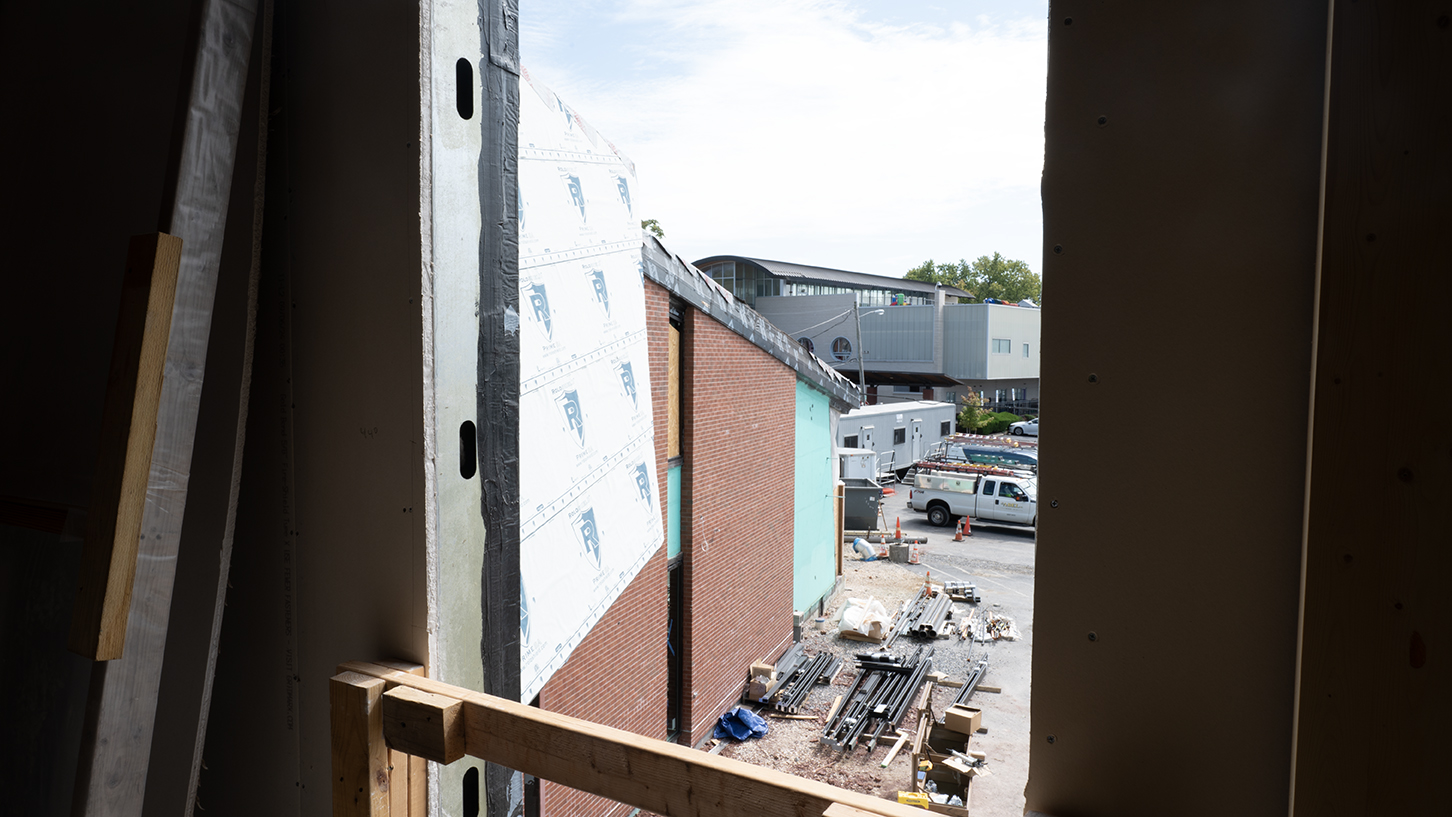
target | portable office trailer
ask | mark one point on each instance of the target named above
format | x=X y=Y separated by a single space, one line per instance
x=900 y=433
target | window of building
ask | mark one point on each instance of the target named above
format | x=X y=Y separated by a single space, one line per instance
x=1025 y=350
x=849 y=442
x=807 y=344
x=899 y=436
x=1002 y=346
x=946 y=427
x=842 y=348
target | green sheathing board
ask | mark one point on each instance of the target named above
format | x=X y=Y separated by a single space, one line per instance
x=814 y=557
x=673 y=512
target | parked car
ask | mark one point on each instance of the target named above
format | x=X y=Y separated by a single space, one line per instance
x=1022 y=427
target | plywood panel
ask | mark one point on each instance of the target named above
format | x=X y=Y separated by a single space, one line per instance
x=1376 y=615
x=1181 y=183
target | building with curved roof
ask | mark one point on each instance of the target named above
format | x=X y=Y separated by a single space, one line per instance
x=908 y=340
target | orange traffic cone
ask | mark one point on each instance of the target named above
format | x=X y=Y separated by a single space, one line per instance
x=967 y=526
x=899 y=527
x=958 y=534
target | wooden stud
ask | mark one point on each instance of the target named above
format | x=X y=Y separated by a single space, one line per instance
x=424 y=724
x=407 y=774
x=123 y=459
x=654 y=775
x=360 y=756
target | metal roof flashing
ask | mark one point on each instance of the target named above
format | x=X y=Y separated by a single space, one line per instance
x=847 y=278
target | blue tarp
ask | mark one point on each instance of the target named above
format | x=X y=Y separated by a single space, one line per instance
x=740 y=724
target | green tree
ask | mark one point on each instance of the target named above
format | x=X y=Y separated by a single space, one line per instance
x=993 y=276
x=971 y=415
x=654 y=226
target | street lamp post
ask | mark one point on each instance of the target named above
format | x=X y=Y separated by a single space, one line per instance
x=861 y=372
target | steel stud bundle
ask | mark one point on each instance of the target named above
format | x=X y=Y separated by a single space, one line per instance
x=884 y=689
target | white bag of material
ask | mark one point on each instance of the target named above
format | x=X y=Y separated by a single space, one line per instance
x=865 y=616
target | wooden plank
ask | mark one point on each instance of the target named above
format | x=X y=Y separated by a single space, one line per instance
x=662 y=777
x=359 y=753
x=844 y=810
x=407 y=774
x=1374 y=605
x=833 y=711
x=123 y=459
x=424 y=724
x=902 y=738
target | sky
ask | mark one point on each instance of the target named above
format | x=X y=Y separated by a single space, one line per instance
x=855 y=134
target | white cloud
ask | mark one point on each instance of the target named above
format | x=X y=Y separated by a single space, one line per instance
x=807 y=132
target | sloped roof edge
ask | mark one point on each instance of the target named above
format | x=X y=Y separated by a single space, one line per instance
x=696 y=288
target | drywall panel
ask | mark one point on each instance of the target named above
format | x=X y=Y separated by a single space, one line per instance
x=1376 y=614
x=1182 y=171
x=328 y=562
x=590 y=517
x=204 y=559
x=123 y=697
x=814 y=568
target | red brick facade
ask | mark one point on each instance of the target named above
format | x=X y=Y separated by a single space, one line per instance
x=736 y=532
x=736 y=515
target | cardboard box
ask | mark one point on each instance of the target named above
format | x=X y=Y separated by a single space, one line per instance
x=965 y=719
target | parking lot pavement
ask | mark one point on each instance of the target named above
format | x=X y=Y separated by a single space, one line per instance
x=1000 y=560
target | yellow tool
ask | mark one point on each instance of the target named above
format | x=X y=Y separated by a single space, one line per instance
x=913 y=798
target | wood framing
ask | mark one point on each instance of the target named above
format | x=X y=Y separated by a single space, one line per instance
x=123 y=461
x=360 y=756
x=665 y=778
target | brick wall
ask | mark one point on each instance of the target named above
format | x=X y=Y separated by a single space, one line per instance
x=736 y=530
x=617 y=675
x=736 y=512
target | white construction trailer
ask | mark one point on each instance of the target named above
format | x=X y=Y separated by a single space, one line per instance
x=900 y=433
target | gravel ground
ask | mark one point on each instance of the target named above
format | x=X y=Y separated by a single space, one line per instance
x=791 y=746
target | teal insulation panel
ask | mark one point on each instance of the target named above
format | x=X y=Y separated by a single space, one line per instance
x=673 y=512
x=814 y=556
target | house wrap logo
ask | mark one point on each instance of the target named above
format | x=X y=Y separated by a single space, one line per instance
x=642 y=483
x=565 y=112
x=569 y=403
x=623 y=188
x=523 y=614
x=577 y=193
x=597 y=283
x=539 y=303
x=627 y=381
x=589 y=534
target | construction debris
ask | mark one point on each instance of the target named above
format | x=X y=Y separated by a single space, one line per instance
x=962 y=591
